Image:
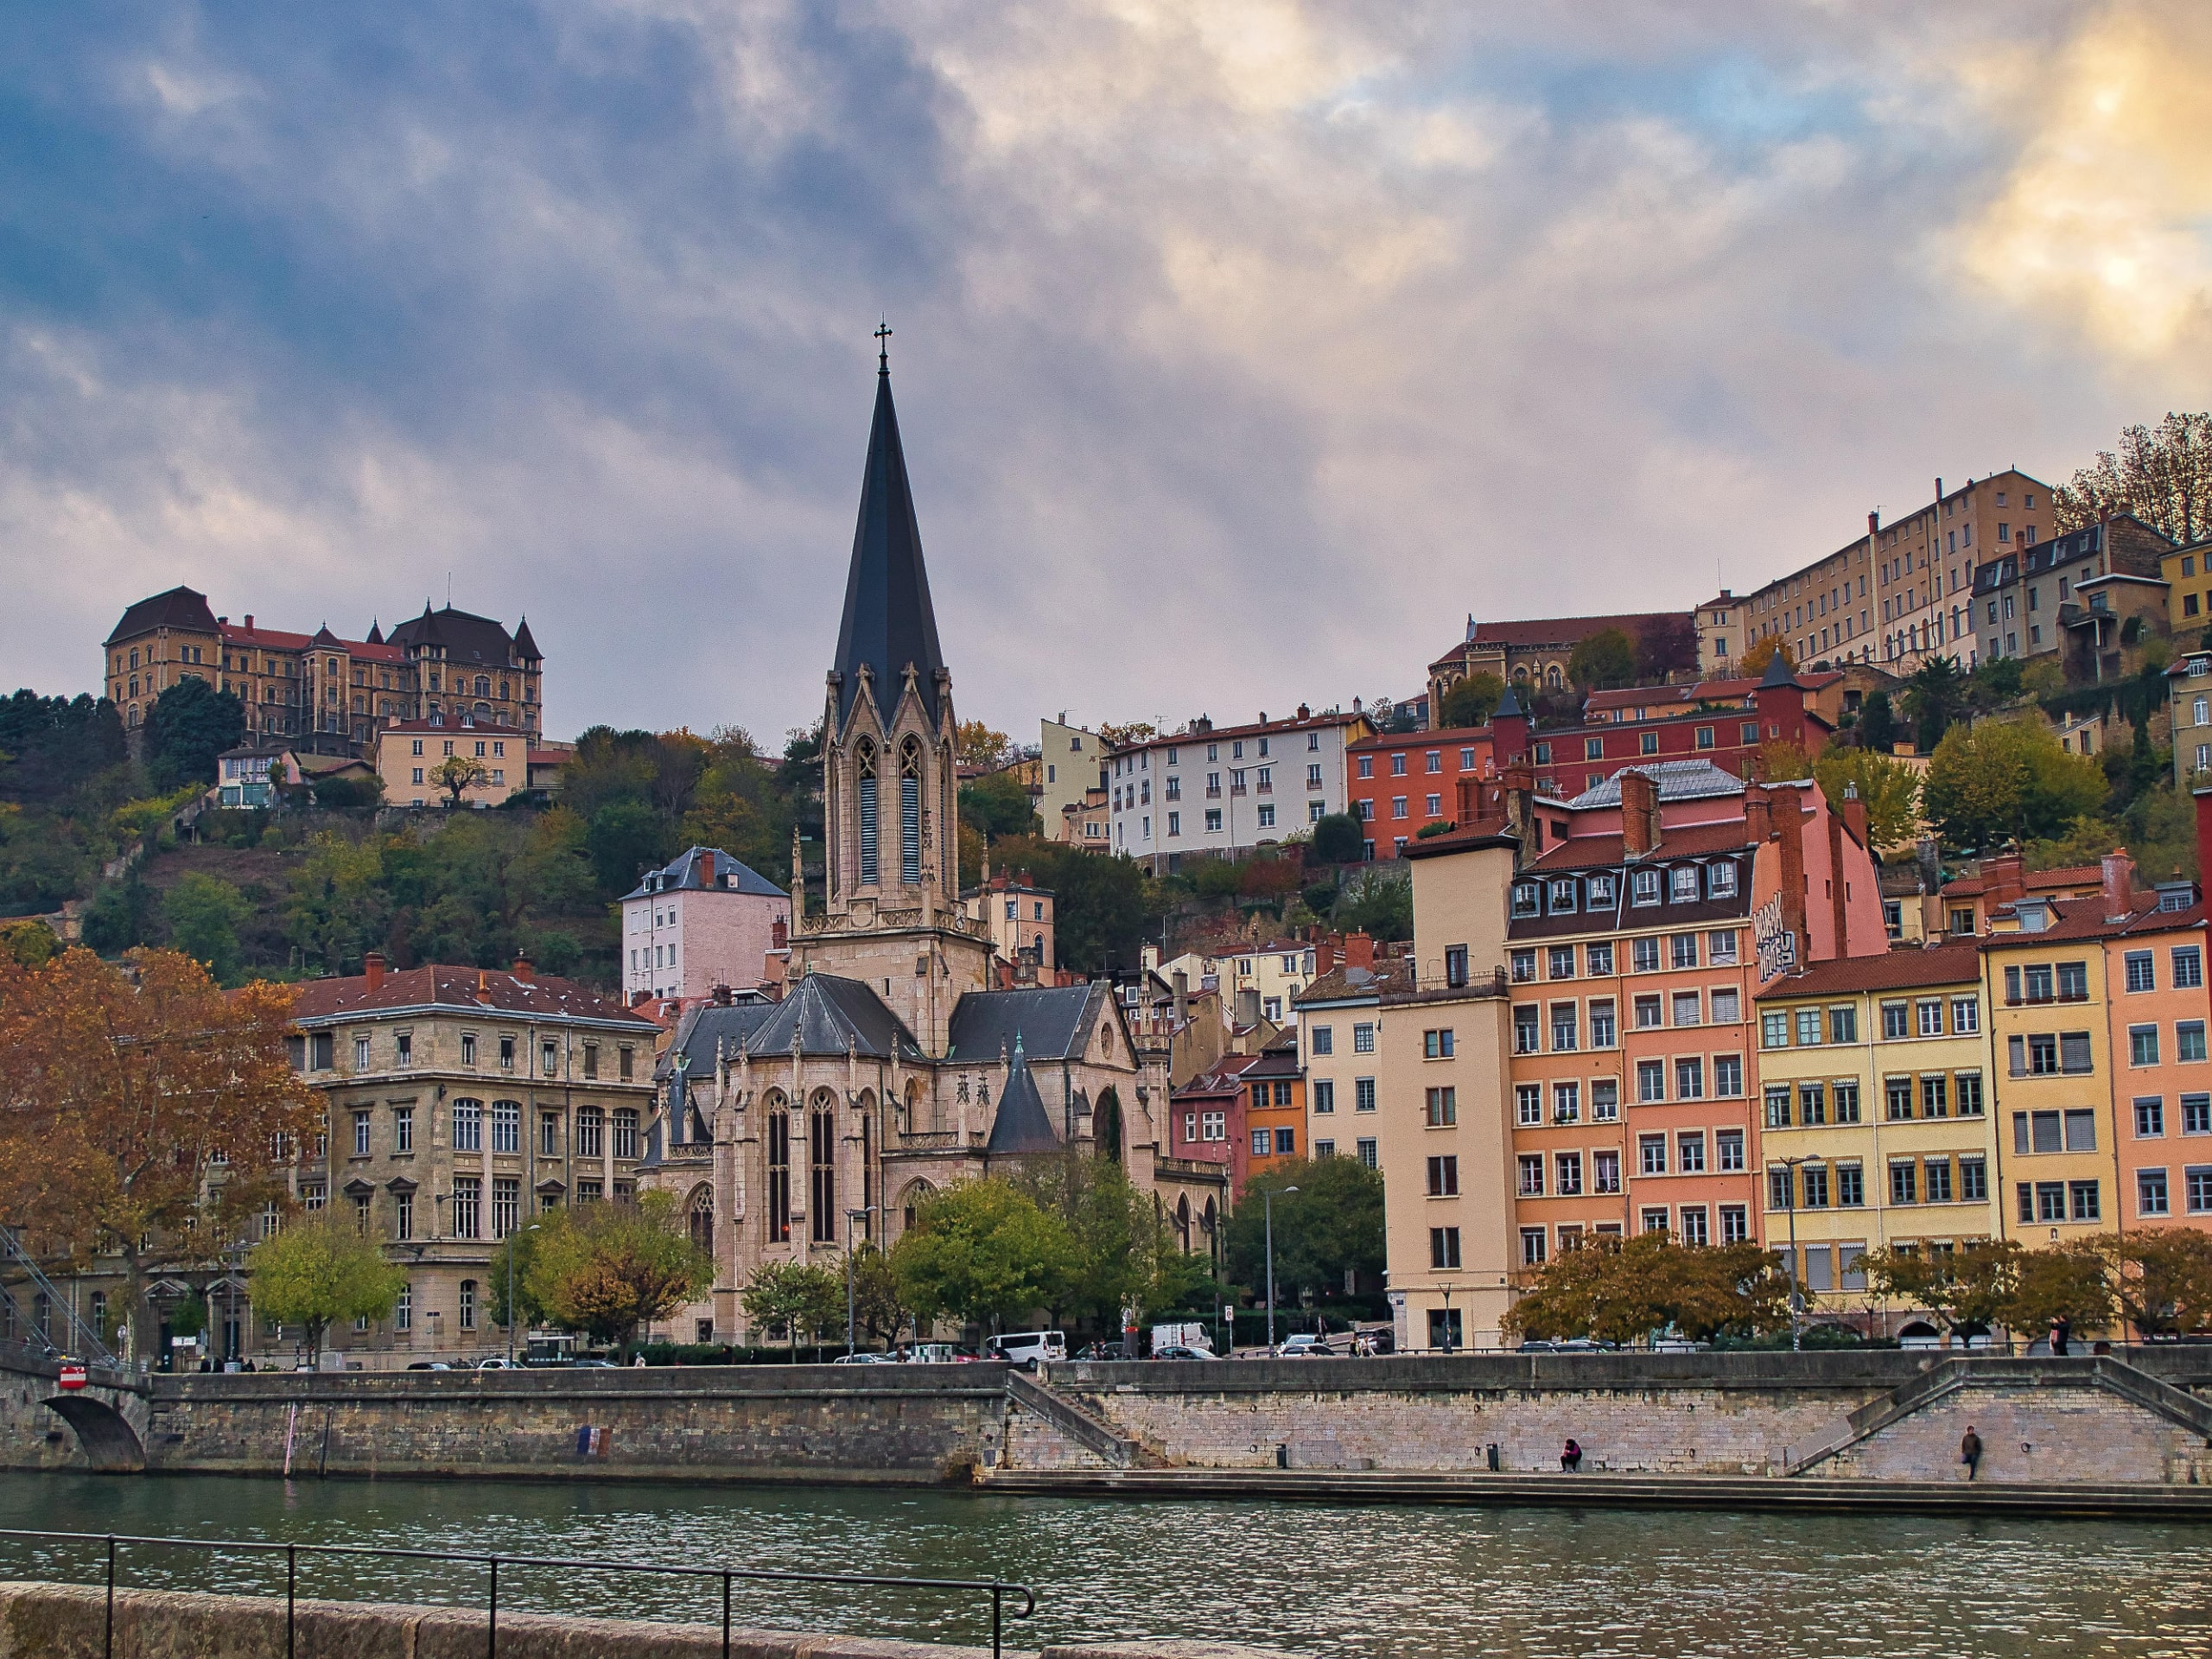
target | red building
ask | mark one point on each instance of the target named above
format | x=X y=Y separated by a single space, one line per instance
x=1398 y=783
x=1206 y=1115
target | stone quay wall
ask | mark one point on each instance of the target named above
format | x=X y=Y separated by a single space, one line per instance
x=904 y=1424
x=1689 y=1414
x=57 y=1621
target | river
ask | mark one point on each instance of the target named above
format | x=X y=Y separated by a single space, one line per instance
x=1402 y=1582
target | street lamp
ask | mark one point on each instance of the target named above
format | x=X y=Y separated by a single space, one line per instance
x=510 y=1290
x=851 y=1215
x=1267 y=1209
x=1789 y=1166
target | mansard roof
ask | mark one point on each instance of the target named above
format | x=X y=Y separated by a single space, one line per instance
x=1022 y=1126
x=469 y=641
x=689 y=872
x=180 y=607
x=1051 y=1023
x=832 y=1016
x=888 y=622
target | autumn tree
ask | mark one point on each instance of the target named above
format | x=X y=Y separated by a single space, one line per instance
x=605 y=1268
x=791 y=1296
x=2162 y=474
x=1751 y=665
x=2162 y=1278
x=1665 y=646
x=1890 y=789
x=1625 y=1290
x=1969 y=1288
x=457 y=774
x=139 y=1110
x=2065 y=1281
x=321 y=1268
x=976 y=744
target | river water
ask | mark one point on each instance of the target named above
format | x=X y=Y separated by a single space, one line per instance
x=1394 y=1581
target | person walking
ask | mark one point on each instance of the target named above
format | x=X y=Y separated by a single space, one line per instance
x=1970 y=1452
x=1570 y=1459
x=2062 y=1334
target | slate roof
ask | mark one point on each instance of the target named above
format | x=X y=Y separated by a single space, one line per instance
x=684 y=871
x=1678 y=781
x=888 y=621
x=1551 y=631
x=704 y=1028
x=829 y=1013
x=540 y=996
x=2084 y=918
x=469 y=640
x=1022 y=1125
x=1050 y=1022
x=180 y=607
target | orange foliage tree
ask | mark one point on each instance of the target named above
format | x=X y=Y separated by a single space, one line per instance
x=145 y=1114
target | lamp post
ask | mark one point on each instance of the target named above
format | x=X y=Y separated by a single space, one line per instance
x=1267 y=1209
x=851 y=1215
x=1788 y=1167
x=512 y=1238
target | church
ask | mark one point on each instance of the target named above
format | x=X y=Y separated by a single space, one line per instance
x=895 y=1065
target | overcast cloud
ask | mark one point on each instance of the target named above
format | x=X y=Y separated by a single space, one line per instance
x=1241 y=349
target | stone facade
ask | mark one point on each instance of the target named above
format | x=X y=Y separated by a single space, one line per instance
x=2029 y=1433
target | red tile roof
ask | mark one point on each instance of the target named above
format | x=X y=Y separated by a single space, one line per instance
x=450 y=727
x=1682 y=841
x=2072 y=875
x=1894 y=971
x=540 y=996
x=2084 y=920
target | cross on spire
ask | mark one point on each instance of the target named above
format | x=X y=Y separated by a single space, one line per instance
x=883 y=347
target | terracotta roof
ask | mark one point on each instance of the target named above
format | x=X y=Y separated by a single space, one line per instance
x=1681 y=840
x=1221 y=1079
x=2072 y=875
x=1703 y=691
x=1443 y=737
x=1344 y=984
x=1944 y=964
x=540 y=996
x=1266 y=728
x=265 y=639
x=448 y=727
x=2084 y=918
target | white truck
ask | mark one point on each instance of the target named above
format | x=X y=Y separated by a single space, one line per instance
x=1193 y=1334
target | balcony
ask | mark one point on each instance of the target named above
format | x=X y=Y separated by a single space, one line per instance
x=1213 y=793
x=1315 y=785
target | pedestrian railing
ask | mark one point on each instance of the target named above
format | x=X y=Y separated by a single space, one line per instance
x=1002 y=1595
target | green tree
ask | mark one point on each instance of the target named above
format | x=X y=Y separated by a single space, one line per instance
x=1101 y=911
x=1877 y=725
x=1378 y=903
x=793 y=1297
x=982 y=1249
x=999 y=806
x=1470 y=701
x=50 y=748
x=626 y=837
x=1123 y=1253
x=2064 y=1282
x=877 y=1307
x=29 y=944
x=123 y=915
x=1890 y=788
x=1968 y=1288
x=203 y=913
x=318 y=1269
x=188 y=726
x=2003 y=779
x=1338 y=838
x=339 y=907
x=510 y=1265
x=1624 y=1291
x=1603 y=661
x=348 y=794
x=1329 y=1230
x=605 y=1269
x=1934 y=697
x=2162 y=474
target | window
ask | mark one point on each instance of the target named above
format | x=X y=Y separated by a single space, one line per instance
x=1566 y=1171
x=1682 y=884
x=1966 y=1016
x=1735 y=1224
x=1443 y=1247
x=1321 y=1039
x=1362 y=1038
x=2142 y=1045
x=1895 y=1016
x=1605 y=1100
x=2188 y=1040
x=1728 y=1075
x=1682 y=949
x=467 y=1206
x=1603 y=1032
x=1809 y=1027
x=1935 y=1095
x=626 y=1132
x=1780 y=1189
x=1362 y=1094
x=2151 y=1192
x=1850 y=1186
x=1689 y=1152
x=360 y=1053
x=1443 y=1108
x=1648 y=1012
x=2140 y=973
x=1644 y=956
x=507 y=1126
x=549 y=1057
x=1444 y=1177
x=1260 y=1141
x=1564 y=1029
x=1721 y=947
x=1606 y=1172
x=1688 y=1008
x=2200 y=1190
x=2082 y=1200
x=2188 y=968
x=1529 y=1098
x=1650 y=1080
x=1812 y=1103
x=1774 y=1030
x=1689 y=1079
x=1643 y=889
x=1523 y=966
x=403 y=1309
x=1931 y=1012
x=590 y=1136
x=1437 y=1044
x=1325 y=1095
x=549 y=1135
x=467 y=1128
x=1651 y=1155
x=1814 y=1178
x=1560 y=961
x=2196 y=1113
x=360 y=1134
x=1213 y=1126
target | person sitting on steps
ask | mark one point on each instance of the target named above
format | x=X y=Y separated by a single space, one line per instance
x=1570 y=1459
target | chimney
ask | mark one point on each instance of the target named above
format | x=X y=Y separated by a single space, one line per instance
x=1789 y=824
x=523 y=970
x=2002 y=880
x=1247 y=1007
x=2118 y=885
x=1839 y=915
x=1359 y=951
x=721 y=997
x=1182 y=984
x=638 y=999
x=1758 y=815
x=374 y=966
x=1639 y=813
x=1324 y=953
x=1854 y=815
x=249 y=621
x=779 y=935
x=1264 y=716
x=706 y=867
x=1874 y=523
x=1939 y=491
x=1303 y=713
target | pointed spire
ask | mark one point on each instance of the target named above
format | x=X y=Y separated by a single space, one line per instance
x=889 y=623
x=1777 y=672
x=525 y=647
x=1508 y=707
x=375 y=632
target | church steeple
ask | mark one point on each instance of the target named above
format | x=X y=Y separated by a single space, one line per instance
x=889 y=623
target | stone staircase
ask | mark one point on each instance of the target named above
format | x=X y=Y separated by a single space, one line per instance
x=1093 y=1433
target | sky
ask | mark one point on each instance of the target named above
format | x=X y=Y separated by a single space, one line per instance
x=1241 y=350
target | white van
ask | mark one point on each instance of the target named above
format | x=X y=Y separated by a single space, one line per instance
x=1027 y=1348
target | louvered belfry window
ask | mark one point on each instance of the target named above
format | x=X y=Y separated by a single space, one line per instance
x=910 y=813
x=868 y=815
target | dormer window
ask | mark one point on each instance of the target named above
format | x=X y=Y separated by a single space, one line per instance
x=1720 y=880
x=1525 y=902
x=1644 y=888
x=1601 y=890
x=1682 y=884
x=1563 y=900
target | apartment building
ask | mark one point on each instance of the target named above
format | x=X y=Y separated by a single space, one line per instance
x=1720 y=635
x=1072 y=762
x=409 y=751
x=1876 y=1127
x=2074 y=593
x=462 y=1102
x=1226 y=792
x=1903 y=592
x=1403 y=781
x=2189 y=701
x=2187 y=572
x=1206 y=1116
x=700 y=922
x=1017 y=913
x=1339 y=1023
x=1274 y=1112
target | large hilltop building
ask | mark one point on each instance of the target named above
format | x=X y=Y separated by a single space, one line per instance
x=321 y=693
x=893 y=1067
x=1532 y=655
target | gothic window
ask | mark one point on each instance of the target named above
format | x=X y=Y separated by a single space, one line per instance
x=910 y=813
x=780 y=1172
x=703 y=1219
x=822 y=1171
x=867 y=769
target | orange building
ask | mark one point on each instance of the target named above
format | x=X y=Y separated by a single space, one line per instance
x=1274 y=1112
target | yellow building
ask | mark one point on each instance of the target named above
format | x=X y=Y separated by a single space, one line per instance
x=1875 y=1076
x=409 y=751
x=2189 y=698
x=2188 y=572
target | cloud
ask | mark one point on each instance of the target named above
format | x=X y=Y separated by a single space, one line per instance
x=1241 y=350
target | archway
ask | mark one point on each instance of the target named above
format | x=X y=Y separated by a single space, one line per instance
x=1106 y=1124
x=111 y=1447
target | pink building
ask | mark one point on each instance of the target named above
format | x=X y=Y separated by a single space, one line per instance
x=703 y=921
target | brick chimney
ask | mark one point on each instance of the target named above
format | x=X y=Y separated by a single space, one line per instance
x=249 y=621
x=1359 y=951
x=523 y=970
x=706 y=867
x=1181 y=981
x=1759 y=814
x=779 y=934
x=1838 y=915
x=1789 y=828
x=721 y=997
x=1324 y=953
x=2118 y=885
x=373 y=964
x=2002 y=880
x=1639 y=813
x=1854 y=814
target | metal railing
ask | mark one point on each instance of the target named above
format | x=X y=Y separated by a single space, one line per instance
x=997 y=1590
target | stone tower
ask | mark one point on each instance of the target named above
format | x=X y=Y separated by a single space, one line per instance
x=891 y=912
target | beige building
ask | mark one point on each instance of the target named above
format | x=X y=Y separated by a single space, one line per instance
x=409 y=751
x=1719 y=637
x=1073 y=770
x=1018 y=916
x=2189 y=699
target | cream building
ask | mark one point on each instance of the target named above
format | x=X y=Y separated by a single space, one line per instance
x=409 y=751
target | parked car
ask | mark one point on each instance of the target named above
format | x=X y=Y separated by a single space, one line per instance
x=1177 y=1351
x=865 y=1359
x=596 y=1365
x=1593 y=1345
x=417 y=1365
x=1027 y=1349
x=1304 y=1345
x=497 y=1362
